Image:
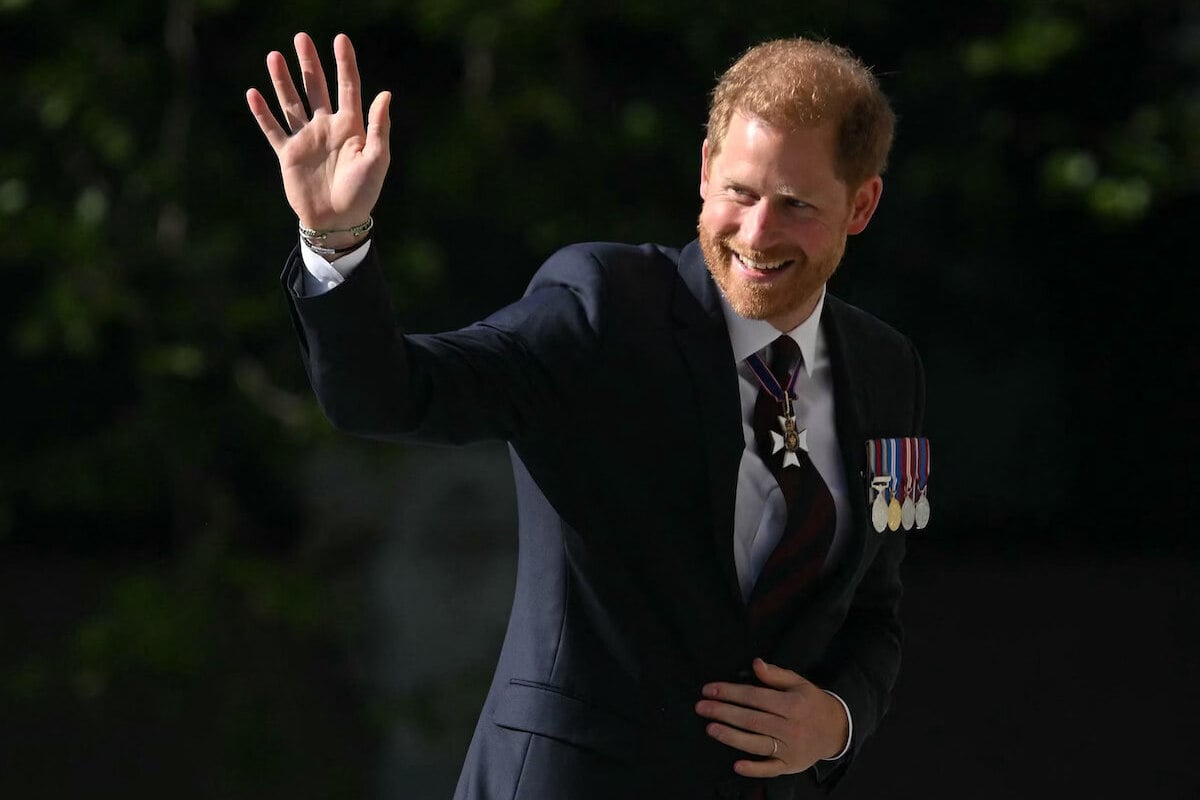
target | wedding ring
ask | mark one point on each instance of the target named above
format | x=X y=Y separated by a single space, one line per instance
x=774 y=746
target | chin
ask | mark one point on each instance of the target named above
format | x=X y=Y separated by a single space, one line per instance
x=754 y=300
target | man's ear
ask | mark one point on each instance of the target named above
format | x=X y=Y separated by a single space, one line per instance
x=863 y=204
x=704 y=170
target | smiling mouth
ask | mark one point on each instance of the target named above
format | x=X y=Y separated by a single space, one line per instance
x=761 y=268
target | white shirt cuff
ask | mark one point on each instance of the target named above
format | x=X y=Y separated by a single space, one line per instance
x=849 y=726
x=320 y=275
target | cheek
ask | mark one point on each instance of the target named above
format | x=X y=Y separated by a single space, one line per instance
x=814 y=235
x=718 y=217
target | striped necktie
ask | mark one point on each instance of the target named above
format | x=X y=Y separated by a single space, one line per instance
x=795 y=564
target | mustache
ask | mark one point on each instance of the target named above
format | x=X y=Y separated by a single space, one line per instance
x=754 y=254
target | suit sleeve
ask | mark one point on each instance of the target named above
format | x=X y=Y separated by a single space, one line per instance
x=502 y=378
x=863 y=659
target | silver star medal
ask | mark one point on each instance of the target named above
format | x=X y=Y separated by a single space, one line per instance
x=792 y=440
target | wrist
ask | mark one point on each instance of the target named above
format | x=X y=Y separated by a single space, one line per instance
x=839 y=727
x=336 y=242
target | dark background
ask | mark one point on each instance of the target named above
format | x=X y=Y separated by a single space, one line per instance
x=204 y=592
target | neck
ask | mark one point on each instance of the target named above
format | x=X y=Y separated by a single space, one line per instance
x=795 y=317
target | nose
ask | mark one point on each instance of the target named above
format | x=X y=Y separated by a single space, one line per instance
x=760 y=225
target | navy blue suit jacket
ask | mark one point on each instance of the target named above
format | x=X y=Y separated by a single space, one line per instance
x=614 y=384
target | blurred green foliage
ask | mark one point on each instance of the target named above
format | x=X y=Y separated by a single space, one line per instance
x=158 y=415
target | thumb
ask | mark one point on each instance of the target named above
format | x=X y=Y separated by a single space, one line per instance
x=777 y=677
x=379 y=126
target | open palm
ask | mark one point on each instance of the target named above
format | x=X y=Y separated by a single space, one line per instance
x=333 y=167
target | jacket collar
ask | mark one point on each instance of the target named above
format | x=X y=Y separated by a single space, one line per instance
x=703 y=339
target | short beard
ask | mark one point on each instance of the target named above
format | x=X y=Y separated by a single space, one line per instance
x=763 y=302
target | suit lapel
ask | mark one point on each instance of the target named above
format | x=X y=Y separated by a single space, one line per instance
x=849 y=383
x=703 y=340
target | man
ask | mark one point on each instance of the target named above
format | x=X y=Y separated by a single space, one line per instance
x=702 y=608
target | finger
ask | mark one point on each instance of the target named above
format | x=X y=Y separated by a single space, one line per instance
x=312 y=73
x=756 y=744
x=276 y=136
x=768 y=768
x=379 y=126
x=349 y=98
x=285 y=91
x=748 y=719
x=777 y=677
x=764 y=699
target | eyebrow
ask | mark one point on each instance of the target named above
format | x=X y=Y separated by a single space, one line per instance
x=787 y=190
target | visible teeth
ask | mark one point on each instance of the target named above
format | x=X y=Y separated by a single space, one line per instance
x=760 y=265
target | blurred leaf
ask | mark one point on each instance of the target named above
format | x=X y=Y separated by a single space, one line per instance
x=1029 y=47
x=1127 y=199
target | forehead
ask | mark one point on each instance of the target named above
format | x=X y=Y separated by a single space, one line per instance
x=805 y=155
x=757 y=150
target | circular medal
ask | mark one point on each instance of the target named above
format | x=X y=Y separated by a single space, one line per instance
x=879 y=513
x=893 y=515
x=922 y=512
x=908 y=513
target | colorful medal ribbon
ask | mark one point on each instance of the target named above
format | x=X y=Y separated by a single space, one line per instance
x=771 y=384
x=908 y=507
x=893 y=512
x=880 y=481
x=898 y=493
x=923 y=467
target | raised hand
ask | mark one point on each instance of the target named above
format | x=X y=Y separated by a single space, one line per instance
x=333 y=168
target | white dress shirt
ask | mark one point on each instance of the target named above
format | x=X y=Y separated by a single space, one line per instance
x=320 y=275
x=759 y=508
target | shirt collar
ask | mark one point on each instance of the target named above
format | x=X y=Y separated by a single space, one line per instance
x=749 y=336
